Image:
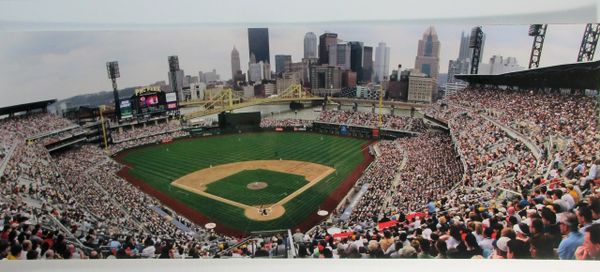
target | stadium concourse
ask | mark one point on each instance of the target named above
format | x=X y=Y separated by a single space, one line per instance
x=516 y=177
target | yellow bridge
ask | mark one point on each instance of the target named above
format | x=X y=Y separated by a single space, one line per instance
x=228 y=100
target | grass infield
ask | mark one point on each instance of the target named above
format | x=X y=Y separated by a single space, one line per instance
x=158 y=165
x=235 y=187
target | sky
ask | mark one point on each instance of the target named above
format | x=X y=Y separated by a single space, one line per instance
x=60 y=64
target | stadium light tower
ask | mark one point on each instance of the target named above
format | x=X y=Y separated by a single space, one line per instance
x=589 y=42
x=538 y=32
x=476 y=42
x=380 y=121
x=112 y=67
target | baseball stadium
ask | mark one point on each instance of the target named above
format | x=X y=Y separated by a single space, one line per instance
x=498 y=166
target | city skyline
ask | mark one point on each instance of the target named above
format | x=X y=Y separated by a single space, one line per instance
x=63 y=64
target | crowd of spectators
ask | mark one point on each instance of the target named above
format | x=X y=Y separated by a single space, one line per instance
x=29 y=125
x=16 y=129
x=368 y=119
x=31 y=173
x=115 y=148
x=540 y=116
x=7 y=142
x=516 y=229
x=58 y=137
x=379 y=177
x=432 y=170
x=146 y=130
x=79 y=188
x=490 y=154
x=289 y=122
x=476 y=192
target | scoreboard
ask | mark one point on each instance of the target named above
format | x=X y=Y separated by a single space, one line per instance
x=149 y=101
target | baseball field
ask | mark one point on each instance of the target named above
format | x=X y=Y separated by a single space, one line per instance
x=248 y=182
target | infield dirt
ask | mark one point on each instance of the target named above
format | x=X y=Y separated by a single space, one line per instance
x=196 y=182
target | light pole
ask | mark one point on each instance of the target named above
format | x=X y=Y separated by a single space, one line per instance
x=112 y=67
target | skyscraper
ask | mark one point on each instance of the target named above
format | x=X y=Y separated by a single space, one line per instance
x=499 y=65
x=462 y=65
x=255 y=72
x=281 y=62
x=176 y=76
x=382 y=62
x=210 y=77
x=356 y=59
x=428 y=54
x=235 y=62
x=325 y=80
x=310 y=45
x=259 y=71
x=464 y=52
x=258 y=44
x=326 y=40
x=339 y=55
x=367 y=67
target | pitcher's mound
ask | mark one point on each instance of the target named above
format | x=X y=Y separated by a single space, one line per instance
x=264 y=214
x=257 y=185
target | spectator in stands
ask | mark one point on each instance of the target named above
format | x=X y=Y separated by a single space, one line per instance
x=32 y=255
x=501 y=248
x=298 y=236
x=472 y=247
x=590 y=250
x=94 y=255
x=15 y=252
x=550 y=226
x=584 y=216
x=442 y=249
x=595 y=206
x=521 y=232
x=573 y=238
x=518 y=249
x=486 y=243
x=375 y=250
x=149 y=249
x=49 y=255
x=261 y=252
x=387 y=241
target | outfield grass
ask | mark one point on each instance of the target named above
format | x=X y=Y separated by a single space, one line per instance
x=235 y=188
x=159 y=165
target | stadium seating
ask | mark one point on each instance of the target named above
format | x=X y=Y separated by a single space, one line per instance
x=367 y=119
x=514 y=170
x=288 y=122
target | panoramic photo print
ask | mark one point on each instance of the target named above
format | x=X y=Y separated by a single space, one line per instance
x=424 y=141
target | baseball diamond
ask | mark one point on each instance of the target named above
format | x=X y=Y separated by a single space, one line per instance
x=210 y=176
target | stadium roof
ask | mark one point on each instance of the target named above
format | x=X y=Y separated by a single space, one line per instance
x=581 y=75
x=26 y=107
